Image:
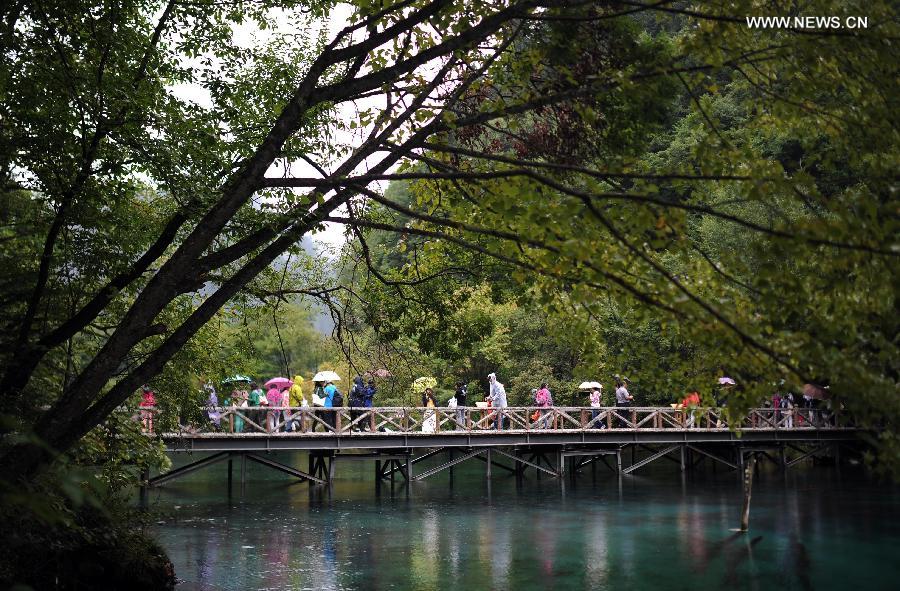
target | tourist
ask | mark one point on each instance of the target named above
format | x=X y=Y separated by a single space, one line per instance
x=776 y=405
x=487 y=413
x=253 y=401
x=212 y=404
x=595 y=407
x=318 y=400
x=357 y=400
x=623 y=399
x=368 y=402
x=333 y=400
x=294 y=420
x=231 y=403
x=787 y=409
x=498 y=398
x=721 y=396
x=429 y=417
x=274 y=400
x=148 y=404
x=369 y=396
x=461 y=395
x=690 y=404
x=543 y=399
x=238 y=402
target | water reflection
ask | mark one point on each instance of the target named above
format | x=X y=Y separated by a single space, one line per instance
x=809 y=531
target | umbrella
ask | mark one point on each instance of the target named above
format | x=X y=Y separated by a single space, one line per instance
x=590 y=386
x=236 y=378
x=727 y=381
x=813 y=391
x=279 y=383
x=326 y=376
x=422 y=383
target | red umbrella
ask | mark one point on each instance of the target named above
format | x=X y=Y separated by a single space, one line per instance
x=279 y=383
x=813 y=391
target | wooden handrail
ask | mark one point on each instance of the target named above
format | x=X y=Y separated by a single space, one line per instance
x=353 y=421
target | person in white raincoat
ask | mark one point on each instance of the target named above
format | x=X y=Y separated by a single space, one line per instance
x=498 y=399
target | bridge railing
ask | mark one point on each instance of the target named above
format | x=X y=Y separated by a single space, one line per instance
x=352 y=421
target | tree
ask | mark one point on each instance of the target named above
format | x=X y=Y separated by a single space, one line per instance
x=461 y=85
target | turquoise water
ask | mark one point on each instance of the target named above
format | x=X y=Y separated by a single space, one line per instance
x=812 y=528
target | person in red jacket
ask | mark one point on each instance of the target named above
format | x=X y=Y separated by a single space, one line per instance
x=148 y=404
x=690 y=404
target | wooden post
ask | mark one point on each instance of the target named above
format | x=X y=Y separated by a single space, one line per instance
x=331 y=467
x=229 y=474
x=451 y=467
x=488 y=469
x=619 y=461
x=409 y=466
x=682 y=458
x=748 y=485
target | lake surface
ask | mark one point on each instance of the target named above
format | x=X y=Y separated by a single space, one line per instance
x=811 y=528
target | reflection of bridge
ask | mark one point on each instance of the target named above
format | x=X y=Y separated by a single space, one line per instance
x=553 y=441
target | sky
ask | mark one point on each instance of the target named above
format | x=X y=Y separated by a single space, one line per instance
x=331 y=239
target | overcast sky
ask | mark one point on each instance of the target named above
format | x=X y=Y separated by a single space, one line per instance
x=247 y=35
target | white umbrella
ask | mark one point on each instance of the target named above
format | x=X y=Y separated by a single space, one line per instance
x=326 y=376
x=590 y=386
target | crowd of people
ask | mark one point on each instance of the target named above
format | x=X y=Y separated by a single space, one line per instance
x=280 y=406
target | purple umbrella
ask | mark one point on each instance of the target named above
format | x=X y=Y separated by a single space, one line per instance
x=279 y=383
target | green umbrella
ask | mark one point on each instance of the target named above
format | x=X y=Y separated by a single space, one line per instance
x=236 y=378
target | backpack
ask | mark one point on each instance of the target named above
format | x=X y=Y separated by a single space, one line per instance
x=337 y=399
x=356 y=395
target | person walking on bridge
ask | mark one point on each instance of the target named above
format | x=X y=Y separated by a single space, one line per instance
x=357 y=400
x=274 y=398
x=295 y=420
x=544 y=400
x=623 y=398
x=498 y=398
x=333 y=401
x=148 y=407
x=461 y=395
x=689 y=405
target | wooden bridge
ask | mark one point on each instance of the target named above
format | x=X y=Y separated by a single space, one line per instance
x=554 y=441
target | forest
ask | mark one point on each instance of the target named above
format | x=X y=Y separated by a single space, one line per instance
x=552 y=191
